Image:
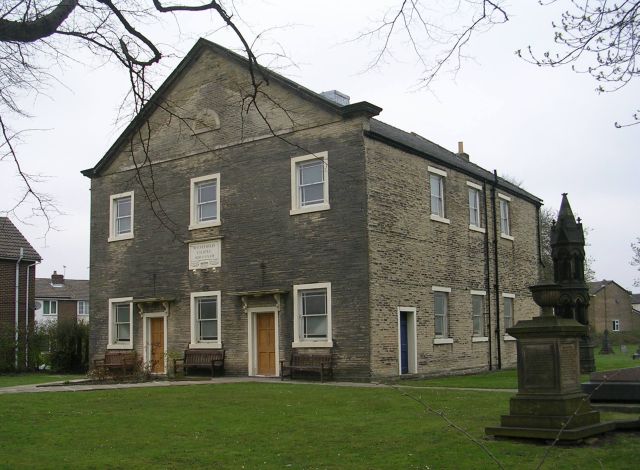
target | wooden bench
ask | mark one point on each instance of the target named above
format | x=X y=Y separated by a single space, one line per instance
x=307 y=362
x=116 y=361
x=201 y=358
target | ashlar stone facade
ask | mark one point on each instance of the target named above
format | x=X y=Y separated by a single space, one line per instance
x=296 y=222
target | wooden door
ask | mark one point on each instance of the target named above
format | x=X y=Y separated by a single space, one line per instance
x=157 y=344
x=266 y=339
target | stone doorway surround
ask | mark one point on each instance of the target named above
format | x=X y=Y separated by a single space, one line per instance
x=253 y=341
x=150 y=309
x=257 y=302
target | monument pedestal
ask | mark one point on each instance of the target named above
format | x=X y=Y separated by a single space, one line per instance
x=550 y=403
x=587 y=360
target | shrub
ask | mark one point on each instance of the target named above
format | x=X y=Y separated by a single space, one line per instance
x=29 y=346
x=68 y=347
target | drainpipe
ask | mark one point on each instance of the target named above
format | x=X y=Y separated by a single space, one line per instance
x=17 y=303
x=540 y=262
x=496 y=267
x=26 y=319
x=487 y=278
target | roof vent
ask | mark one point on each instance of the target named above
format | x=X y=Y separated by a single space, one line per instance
x=336 y=97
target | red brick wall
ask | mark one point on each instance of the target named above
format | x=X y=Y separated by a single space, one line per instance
x=67 y=310
x=8 y=299
x=8 y=292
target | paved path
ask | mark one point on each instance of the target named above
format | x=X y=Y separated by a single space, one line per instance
x=77 y=386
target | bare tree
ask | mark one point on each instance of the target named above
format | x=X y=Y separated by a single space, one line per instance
x=37 y=32
x=598 y=37
x=635 y=259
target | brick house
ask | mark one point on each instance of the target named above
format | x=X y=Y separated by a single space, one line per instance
x=325 y=230
x=18 y=262
x=60 y=299
x=610 y=308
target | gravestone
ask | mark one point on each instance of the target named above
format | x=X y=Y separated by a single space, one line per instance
x=614 y=386
x=606 y=344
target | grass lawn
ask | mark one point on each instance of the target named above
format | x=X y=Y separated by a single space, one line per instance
x=11 y=380
x=509 y=378
x=254 y=425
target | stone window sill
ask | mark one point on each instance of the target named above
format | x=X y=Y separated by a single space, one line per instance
x=479 y=339
x=437 y=218
x=443 y=341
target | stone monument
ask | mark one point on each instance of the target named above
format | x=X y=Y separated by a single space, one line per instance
x=551 y=350
x=567 y=251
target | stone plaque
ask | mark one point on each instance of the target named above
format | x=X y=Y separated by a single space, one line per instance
x=539 y=366
x=204 y=255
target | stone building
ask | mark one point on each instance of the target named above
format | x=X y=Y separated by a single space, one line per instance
x=301 y=221
x=60 y=299
x=610 y=308
x=18 y=261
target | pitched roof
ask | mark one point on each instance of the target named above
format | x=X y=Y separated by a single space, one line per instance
x=414 y=143
x=157 y=98
x=597 y=286
x=635 y=298
x=11 y=240
x=410 y=142
x=72 y=289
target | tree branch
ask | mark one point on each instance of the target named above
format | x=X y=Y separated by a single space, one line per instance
x=39 y=28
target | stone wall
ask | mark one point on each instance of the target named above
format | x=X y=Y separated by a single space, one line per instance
x=263 y=247
x=410 y=253
x=612 y=303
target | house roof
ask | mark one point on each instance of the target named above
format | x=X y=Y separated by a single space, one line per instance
x=361 y=107
x=11 y=240
x=597 y=286
x=409 y=141
x=414 y=143
x=635 y=298
x=72 y=289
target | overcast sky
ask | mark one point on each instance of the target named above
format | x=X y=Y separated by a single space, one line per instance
x=545 y=127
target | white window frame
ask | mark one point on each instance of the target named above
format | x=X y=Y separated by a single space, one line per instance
x=51 y=302
x=113 y=343
x=477 y=190
x=507 y=336
x=196 y=343
x=194 y=223
x=446 y=338
x=296 y=206
x=412 y=340
x=298 y=340
x=615 y=325
x=85 y=312
x=505 y=201
x=441 y=175
x=113 y=236
x=479 y=338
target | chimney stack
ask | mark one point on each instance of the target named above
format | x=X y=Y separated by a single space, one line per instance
x=461 y=152
x=337 y=97
x=57 y=279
